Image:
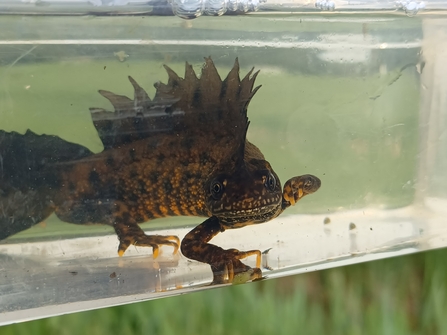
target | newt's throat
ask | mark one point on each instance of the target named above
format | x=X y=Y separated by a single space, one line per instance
x=249 y=216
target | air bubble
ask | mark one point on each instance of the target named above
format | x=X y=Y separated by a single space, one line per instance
x=325 y=5
x=188 y=9
x=411 y=8
x=232 y=5
x=253 y=5
x=243 y=6
x=215 y=7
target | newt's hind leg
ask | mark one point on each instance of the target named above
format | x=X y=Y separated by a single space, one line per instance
x=117 y=215
x=130 y=233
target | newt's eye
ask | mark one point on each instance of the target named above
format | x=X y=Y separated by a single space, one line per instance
x=270 y=182
x=216 y=189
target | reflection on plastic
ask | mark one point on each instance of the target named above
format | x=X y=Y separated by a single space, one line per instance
x=190 y=9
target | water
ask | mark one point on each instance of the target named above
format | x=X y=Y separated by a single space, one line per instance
x=355 y=99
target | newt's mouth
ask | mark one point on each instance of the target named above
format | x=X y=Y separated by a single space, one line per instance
x=249 y=216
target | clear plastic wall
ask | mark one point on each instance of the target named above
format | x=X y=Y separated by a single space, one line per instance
x=354 y=93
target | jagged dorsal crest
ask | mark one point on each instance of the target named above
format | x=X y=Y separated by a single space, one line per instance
x=209 y=90
x=205 y=102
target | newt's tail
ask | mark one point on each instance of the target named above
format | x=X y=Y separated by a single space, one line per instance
x=29 y=177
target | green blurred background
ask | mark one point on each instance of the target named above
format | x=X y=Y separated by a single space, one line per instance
x=404 y=295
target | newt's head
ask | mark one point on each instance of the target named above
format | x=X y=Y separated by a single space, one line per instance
x=249 y=194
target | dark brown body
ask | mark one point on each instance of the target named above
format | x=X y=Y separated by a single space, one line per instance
x=185 y=153
x=146 y=180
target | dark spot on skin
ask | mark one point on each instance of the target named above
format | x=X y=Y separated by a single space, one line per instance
x=170 y=212
x=152 y=145
x=188 y=175
x=174 y=82
x=187 y=193
x=125 y=217
x=93 y=178
x=103 y=127
x=204 y=157
x=110 y=161
x=203 y=119
x=139 y=218
x=167 y=186
x=153 y=177
x=223 y=92
x=160 y=158
x=141 y=186
x=220 y=114
x=132 y=154
x=133 y=174
x=5 y=193
x=81 y=212
x=133 y=197
x=52 y=181
x=71 y=186
x=196 y=98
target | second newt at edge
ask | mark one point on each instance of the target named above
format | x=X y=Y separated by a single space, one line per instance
x=183 y=153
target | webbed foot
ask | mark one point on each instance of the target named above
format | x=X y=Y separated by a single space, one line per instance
x=134 y=235
x=227 y=267
x=298 y=187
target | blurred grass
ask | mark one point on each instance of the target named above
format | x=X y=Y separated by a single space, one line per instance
x=405 y=295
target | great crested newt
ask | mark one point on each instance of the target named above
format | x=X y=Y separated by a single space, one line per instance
x=182 y=153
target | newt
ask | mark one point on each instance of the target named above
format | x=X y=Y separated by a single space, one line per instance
x=183 y=153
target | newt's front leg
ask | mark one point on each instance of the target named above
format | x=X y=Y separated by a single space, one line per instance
x=225 y=264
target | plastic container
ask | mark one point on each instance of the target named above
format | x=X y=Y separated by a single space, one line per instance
x=352 y=92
